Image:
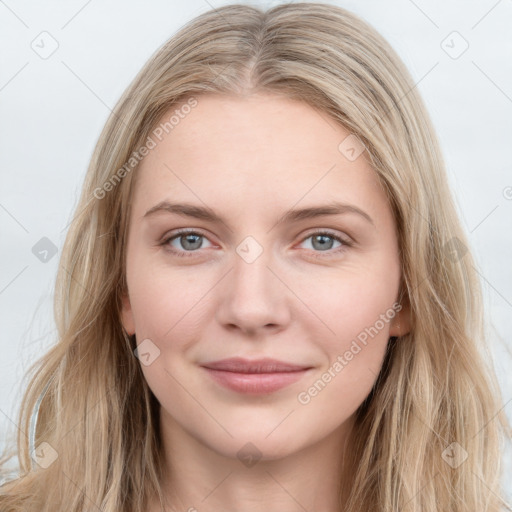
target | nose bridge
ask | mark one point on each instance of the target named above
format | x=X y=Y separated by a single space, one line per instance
x=253 y=295
x=251 y=278
x=251 y=266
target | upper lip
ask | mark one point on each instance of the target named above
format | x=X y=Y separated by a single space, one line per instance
x=265 y=365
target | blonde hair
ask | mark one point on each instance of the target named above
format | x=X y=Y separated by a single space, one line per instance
x=435 y=387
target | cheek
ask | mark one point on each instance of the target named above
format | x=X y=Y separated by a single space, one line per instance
x=357 y=308
x=349 y=302
x=165 y=299
x=352 y=361
x=170 y=309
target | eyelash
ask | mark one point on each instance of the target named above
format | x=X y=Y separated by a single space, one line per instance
x=186 y=254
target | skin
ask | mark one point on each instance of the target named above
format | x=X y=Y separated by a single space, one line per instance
x=252 y=159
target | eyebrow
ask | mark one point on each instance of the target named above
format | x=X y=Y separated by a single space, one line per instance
x=206 y=213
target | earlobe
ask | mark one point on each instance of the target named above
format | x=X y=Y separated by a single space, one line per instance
x=400 y=324
x=127 y=315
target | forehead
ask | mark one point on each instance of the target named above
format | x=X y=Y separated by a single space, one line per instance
x=256 y=150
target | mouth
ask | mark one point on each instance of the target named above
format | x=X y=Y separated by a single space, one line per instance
x=255 y=377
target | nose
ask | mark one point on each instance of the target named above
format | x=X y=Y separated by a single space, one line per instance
x=255 y=298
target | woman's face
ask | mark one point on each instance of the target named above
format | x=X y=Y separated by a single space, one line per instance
x=265 y=272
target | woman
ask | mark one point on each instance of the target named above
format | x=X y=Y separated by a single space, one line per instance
x=265 y=299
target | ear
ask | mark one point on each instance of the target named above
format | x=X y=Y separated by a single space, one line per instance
x=401 y=323
x=127 y=315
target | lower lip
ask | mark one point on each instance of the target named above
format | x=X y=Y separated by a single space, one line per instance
x=255 y=383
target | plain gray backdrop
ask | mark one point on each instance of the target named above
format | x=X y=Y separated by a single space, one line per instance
x=63 y=67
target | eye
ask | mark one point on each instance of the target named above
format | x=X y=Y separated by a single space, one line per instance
x=186 y=241
x=322 y=241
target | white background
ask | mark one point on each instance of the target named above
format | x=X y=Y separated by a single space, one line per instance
x=52 y=111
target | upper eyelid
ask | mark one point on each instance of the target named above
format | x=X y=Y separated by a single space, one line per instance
x=184 y=231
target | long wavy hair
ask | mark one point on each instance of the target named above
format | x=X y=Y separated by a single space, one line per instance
x=436 y=399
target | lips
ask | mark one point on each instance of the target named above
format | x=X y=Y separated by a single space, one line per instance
x=254 y=377
x=266 y=365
